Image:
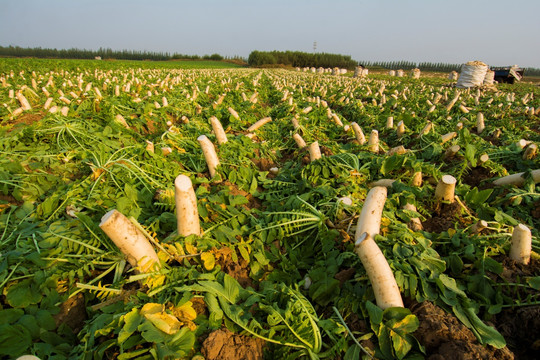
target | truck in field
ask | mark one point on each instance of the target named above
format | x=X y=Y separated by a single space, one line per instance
x=508 y=74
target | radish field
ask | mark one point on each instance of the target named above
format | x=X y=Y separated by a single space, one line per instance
x=275 y=266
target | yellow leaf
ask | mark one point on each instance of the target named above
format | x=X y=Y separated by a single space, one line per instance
x=209 y=261
x=151 y=308
x=164 y=322
x=451 y=232
x=154 y=281
x=191 y=249
x=186 y=312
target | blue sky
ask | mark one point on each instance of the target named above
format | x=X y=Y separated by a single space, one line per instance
x=496 y=32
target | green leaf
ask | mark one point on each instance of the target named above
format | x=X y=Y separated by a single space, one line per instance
x=392 y=163
x=485 y=334
x=151 y=334
x=23 y=293
x=9 y=316
x=45 y=320
x=470 y=154
x=534 y=282
x=450 y=283
x=375 y=313
x=132 y=320
x=14 y=340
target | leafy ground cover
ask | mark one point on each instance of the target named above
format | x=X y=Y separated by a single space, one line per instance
x=274 y=273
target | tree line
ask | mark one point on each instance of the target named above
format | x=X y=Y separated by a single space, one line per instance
x=104 y=53
x=300 y=59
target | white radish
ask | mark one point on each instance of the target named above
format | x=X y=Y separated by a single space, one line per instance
x=299 y=141
x=373 y=142
x=517 y=179
x=445 y=188
x=380 y=275
x=218 y=130
x=187 y=214
x=259 y=123
x=210 y=154
x=130 y=240
x=314 y=151
x=520 y=251
x=358 y=133
x=414 y=224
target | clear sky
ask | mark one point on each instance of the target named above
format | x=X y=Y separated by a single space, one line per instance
x=496 y=32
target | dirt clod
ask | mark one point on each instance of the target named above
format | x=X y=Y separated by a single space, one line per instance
x=444 y=337
x=443 y=218
x=72 y=313
x=225 y=345
x=237 y=269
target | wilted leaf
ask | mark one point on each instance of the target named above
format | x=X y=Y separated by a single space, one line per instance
x=167 y=323
x=209 y=261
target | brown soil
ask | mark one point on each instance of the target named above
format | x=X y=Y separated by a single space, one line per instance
x=476 y=175
x=521 y=329
x=443 y=218
x=72 y=313
x=263 y=164
x=445 y=338
x=345 y=275
x=238 y=270
x=535 y=212
x=514 y=271
x=253 y=203
x=10 y=200
x=24 y=119
x=326 y=151
x=225 y=345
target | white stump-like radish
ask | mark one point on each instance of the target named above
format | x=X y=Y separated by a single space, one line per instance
x=210 y=155
x=373 y=142
x=314 y=151
x=307 y=110
x=479 y=226
x=426 y=128
x=417 y=179
x=517 y=179
x=295 y=123
x=233 y=113
x=259 y=123
x=445 y=188
x=187 y=214
x=448 y=137
x=390 y=122
x=520 y=251
x=358 y=133
x=299 y=141
x=398 y=150
x=337 y=120
x=48 y=103
x=380 y=275
x=400 y=129
x=414 y=224
x=149 y=146
x=483 y=159
x=451 y=151
x=387 y=183
x=130 y=240
x=23 y=101
x=530 y=152
x=522 y=143
x=218 y=130
x=480 y=126
x=120 y=119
